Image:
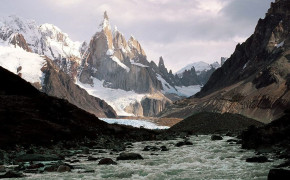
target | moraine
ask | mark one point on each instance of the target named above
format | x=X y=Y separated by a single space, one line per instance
x=205 y=159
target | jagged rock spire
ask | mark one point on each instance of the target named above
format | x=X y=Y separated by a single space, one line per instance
x=161 y=62
x=106 y=15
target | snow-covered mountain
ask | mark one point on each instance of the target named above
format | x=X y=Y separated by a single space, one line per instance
x=199 y=67
x=109 y=66
x=45 y=39
x=201 y=71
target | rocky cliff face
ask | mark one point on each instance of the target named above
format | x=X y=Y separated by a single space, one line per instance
x=254 y=81
x=29 y=117
x=57 y=83
x=46 y=76
x=121 y=64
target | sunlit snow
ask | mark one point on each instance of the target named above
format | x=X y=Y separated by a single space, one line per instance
x=117 y=98
x=28 y=64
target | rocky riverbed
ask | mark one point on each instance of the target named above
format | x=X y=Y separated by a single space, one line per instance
x=194 y=157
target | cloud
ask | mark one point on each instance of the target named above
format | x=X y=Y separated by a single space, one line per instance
x=182 y=31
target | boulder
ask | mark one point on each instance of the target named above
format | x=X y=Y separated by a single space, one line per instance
x=2 y=168
x=63 y=168
x=182 y=143
x=12 y=174
x=281 y=174
x=164 y=148
x=216 y=137
x=151 y=148
x=129 y=156
x=107 y=161
x=258 y=159
x=35 y=166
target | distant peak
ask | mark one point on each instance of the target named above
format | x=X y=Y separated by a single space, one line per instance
x=161 y=61
x=132 y=37
x=106 y=15
x=105 y=23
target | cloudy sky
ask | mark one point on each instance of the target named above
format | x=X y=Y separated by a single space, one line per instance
x=182 y=31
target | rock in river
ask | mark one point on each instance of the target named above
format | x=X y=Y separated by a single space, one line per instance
x=129 y=156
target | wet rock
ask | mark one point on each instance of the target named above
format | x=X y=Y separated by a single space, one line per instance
x=74 y=161
x=63 y=168
x=55 y=167
x=38 y=157
x=216 y=137
x=232 y=140
x=151 y=148
x=12 y=174
x=129 y=156
x=164 y=148
x=35 y=166
x=20 y=167
x=32 y=171
x=2 y=168
x=183 y=143
x=107 y=161
x=279 y=174
x=258 y=159
x=50 y=169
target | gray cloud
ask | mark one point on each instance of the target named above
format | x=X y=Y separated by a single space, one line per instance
x=182 y=31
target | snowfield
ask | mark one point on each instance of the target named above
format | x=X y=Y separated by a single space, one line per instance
x=185 y=91
x=134 y=123
x=117 y=98
x=28 y=64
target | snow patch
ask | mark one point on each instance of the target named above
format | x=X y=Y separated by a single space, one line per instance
x=17 y=60
x=110 y=52
x=138 y=64
x=117 y=98
x=186 y=91
x=114 y=58
x=280 y=44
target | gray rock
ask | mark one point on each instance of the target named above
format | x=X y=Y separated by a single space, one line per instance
x=12 y=174
x=129 y=156
x=279 y=174
x=216 y=137
x=259 y=159
x=107 y=161
x=2 y=168
x=63 y=168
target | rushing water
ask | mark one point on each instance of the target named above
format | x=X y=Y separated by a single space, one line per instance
x=205 y=159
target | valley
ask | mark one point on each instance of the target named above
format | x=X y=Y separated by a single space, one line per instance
x=109 y=108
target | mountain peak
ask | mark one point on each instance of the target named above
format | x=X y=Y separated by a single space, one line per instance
x=105 y=24
x=161 y=62
x=106 y=15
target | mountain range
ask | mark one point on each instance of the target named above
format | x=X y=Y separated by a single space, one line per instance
x=108 y=67
x=255 y=80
